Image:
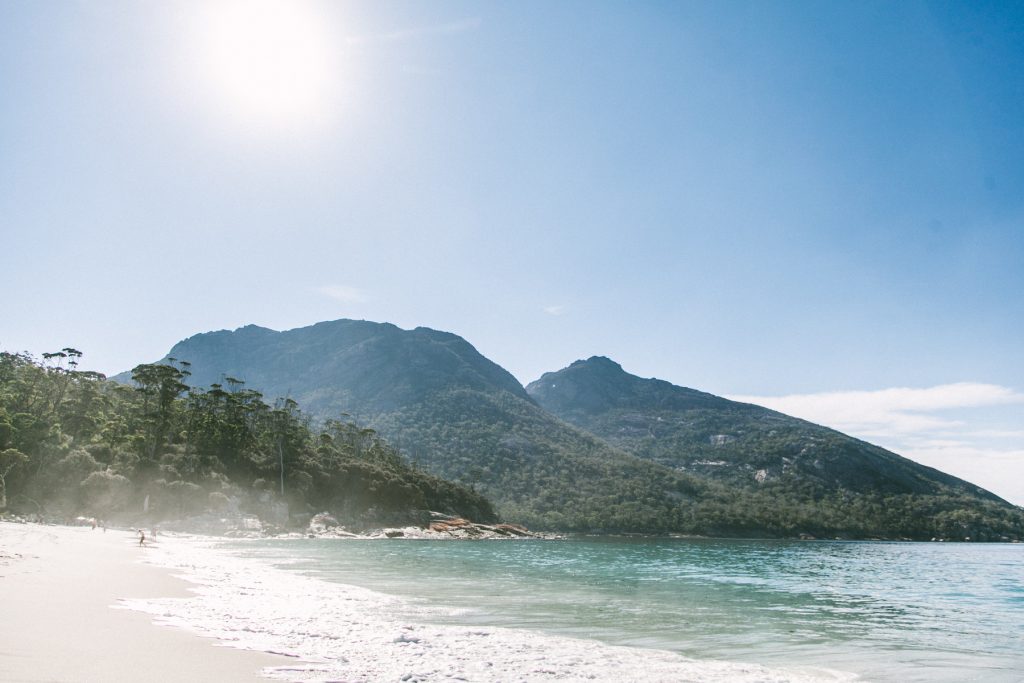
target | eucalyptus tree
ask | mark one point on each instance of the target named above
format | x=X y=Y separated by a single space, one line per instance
x=160 y=385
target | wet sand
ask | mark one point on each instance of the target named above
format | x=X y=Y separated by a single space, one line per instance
x=59 y=588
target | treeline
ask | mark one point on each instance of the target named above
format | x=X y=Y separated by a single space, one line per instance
x=73 y=443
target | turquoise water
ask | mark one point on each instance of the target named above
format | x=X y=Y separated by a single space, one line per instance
x=886 y=611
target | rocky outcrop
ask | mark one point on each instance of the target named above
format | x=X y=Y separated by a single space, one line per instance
x=438 y=526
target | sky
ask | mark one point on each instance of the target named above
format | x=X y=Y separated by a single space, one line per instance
x=818 y=207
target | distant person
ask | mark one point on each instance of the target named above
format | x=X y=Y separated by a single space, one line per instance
x=142 y=537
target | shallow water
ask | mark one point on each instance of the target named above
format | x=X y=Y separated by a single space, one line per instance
x=887 y=611
x=608 y=610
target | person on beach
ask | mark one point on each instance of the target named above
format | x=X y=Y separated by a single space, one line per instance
x=142 y=537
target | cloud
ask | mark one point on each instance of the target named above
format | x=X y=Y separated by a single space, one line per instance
x=933 y=426
x=343 y=293
x=406 y=34
x=995 y=469
x=554 y=310
x=889 y=412
x=999 y=433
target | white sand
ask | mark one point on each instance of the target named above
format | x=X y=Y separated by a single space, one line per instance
x=58 y=589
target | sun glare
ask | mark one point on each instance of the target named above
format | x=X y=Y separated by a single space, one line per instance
x=268 y=63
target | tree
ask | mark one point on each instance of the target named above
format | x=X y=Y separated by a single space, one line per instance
x=65 y=374
x=160 y=386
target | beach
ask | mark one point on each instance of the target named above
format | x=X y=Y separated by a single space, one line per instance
x=84 y=605
x=81 y=605
x=60 y=587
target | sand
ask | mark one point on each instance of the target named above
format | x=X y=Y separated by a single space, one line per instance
x=59 y=587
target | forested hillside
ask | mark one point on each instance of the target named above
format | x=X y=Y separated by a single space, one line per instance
x=787 y=472
x=736 y=443
x=639 y=456
x=73 y=443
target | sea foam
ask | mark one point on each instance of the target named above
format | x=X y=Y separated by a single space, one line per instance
x=338 y=632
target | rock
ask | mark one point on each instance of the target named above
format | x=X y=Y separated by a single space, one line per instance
x=322 y=522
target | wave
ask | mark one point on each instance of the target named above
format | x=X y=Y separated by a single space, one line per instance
x=342 y=632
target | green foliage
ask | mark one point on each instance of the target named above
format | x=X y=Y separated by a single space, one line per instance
x=72 y=442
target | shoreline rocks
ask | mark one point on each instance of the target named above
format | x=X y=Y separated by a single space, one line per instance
x=439 y=527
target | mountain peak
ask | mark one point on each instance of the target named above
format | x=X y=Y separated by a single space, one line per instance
x=335 y=366
x=254 y=329
x=598 y=363
x=599 y=384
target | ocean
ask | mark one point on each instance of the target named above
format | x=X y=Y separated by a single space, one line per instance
x=608 y=609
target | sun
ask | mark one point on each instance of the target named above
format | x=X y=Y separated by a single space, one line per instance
x=267 y=64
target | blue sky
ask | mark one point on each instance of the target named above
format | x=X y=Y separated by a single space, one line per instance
x=811 y=204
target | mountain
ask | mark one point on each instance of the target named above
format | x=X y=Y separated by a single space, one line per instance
x=781 y=467
x=593 y=448
x=352 y=366
x=737 y=443
x=452 y=412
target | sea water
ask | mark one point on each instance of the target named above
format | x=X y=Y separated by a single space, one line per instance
x=610 y=609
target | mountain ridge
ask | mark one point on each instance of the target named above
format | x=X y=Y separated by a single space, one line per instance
x=360 y=355
x=440 y=401
x=593 y=448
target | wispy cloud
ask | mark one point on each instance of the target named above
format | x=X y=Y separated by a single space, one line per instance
x=343 y=293
x=1000 y=470
x=554 y=310
x=934 y=426
x=889 y=411
x=406 y=34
